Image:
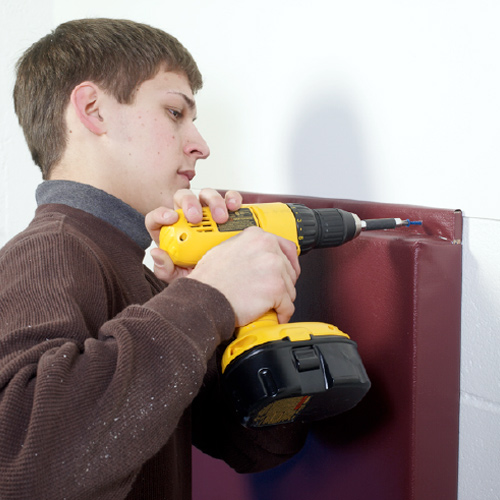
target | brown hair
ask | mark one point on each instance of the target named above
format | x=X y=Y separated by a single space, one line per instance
x=117 y=55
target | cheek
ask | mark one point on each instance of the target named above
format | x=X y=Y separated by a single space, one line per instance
x=149 y=138
x=160 y=132
x=164 y=145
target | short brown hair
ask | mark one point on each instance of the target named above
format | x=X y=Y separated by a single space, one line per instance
x=117 y=55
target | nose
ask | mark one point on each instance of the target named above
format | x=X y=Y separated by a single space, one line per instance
x=196 y=146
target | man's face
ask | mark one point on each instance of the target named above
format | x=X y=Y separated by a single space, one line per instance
x=154 y=143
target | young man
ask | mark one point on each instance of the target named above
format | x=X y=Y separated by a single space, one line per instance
x=106 y=374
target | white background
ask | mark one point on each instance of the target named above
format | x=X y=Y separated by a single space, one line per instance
x=387 y=100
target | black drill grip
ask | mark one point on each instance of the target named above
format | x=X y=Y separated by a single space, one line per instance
x=323 y=227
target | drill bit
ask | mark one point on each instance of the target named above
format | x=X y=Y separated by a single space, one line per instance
x=374 y=224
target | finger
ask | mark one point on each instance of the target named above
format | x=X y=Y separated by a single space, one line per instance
x=164 y=268
x=284 y=310
x=190 y=205
x=157 y=218
x=284 y=246
x=285 y=260
x=233 y=200
x=288 y=274
x=289 y=277
x=213 y=200
x=289 y=249
x=290 y=271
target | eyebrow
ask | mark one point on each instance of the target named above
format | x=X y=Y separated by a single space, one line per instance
x=190 y=102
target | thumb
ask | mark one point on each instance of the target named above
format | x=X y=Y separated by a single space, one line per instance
x=164 y=268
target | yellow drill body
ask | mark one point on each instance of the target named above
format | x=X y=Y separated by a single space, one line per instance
x=186 y=244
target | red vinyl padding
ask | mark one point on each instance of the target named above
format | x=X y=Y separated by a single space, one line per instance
x=397 y=294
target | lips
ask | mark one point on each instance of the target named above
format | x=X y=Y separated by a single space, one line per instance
x=189 y=174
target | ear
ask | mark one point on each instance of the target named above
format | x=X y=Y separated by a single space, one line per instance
x=85 y=99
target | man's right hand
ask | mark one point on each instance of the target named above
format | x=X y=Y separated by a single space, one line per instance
x=256 y=271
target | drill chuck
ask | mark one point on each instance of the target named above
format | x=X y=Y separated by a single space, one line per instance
x=324 y=227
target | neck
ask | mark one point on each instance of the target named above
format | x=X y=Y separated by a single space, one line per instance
x=98 y=203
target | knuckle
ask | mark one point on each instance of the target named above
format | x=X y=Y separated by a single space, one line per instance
x=182 y=192
x=209 y=196
x=252 y=232
x=233 y=196
x=209 y=192
x=271 y=262
x=267 y=240
x=182 y=195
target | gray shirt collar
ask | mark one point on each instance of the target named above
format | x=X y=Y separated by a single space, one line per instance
x=98 y=203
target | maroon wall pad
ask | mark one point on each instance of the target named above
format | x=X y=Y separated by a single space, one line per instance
x=397 y=293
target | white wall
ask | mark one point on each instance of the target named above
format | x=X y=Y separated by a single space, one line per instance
x=386 y=101
x=21 y=23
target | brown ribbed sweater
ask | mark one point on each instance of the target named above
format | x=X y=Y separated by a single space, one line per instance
x=99 y=367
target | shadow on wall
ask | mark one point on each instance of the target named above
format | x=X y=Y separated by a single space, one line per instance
x=327 y=151
x=328 y=159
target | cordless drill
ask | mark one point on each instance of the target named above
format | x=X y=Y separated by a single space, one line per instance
x=280 y=373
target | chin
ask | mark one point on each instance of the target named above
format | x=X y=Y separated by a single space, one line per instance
x=166 y=201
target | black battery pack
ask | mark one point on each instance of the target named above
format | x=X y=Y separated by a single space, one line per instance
x=286 y=381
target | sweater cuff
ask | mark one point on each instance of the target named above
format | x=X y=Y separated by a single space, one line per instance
x=202 y=312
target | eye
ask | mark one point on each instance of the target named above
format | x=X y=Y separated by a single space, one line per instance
x=176 y=114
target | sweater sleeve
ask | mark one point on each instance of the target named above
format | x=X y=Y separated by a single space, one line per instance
x=87 y=397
